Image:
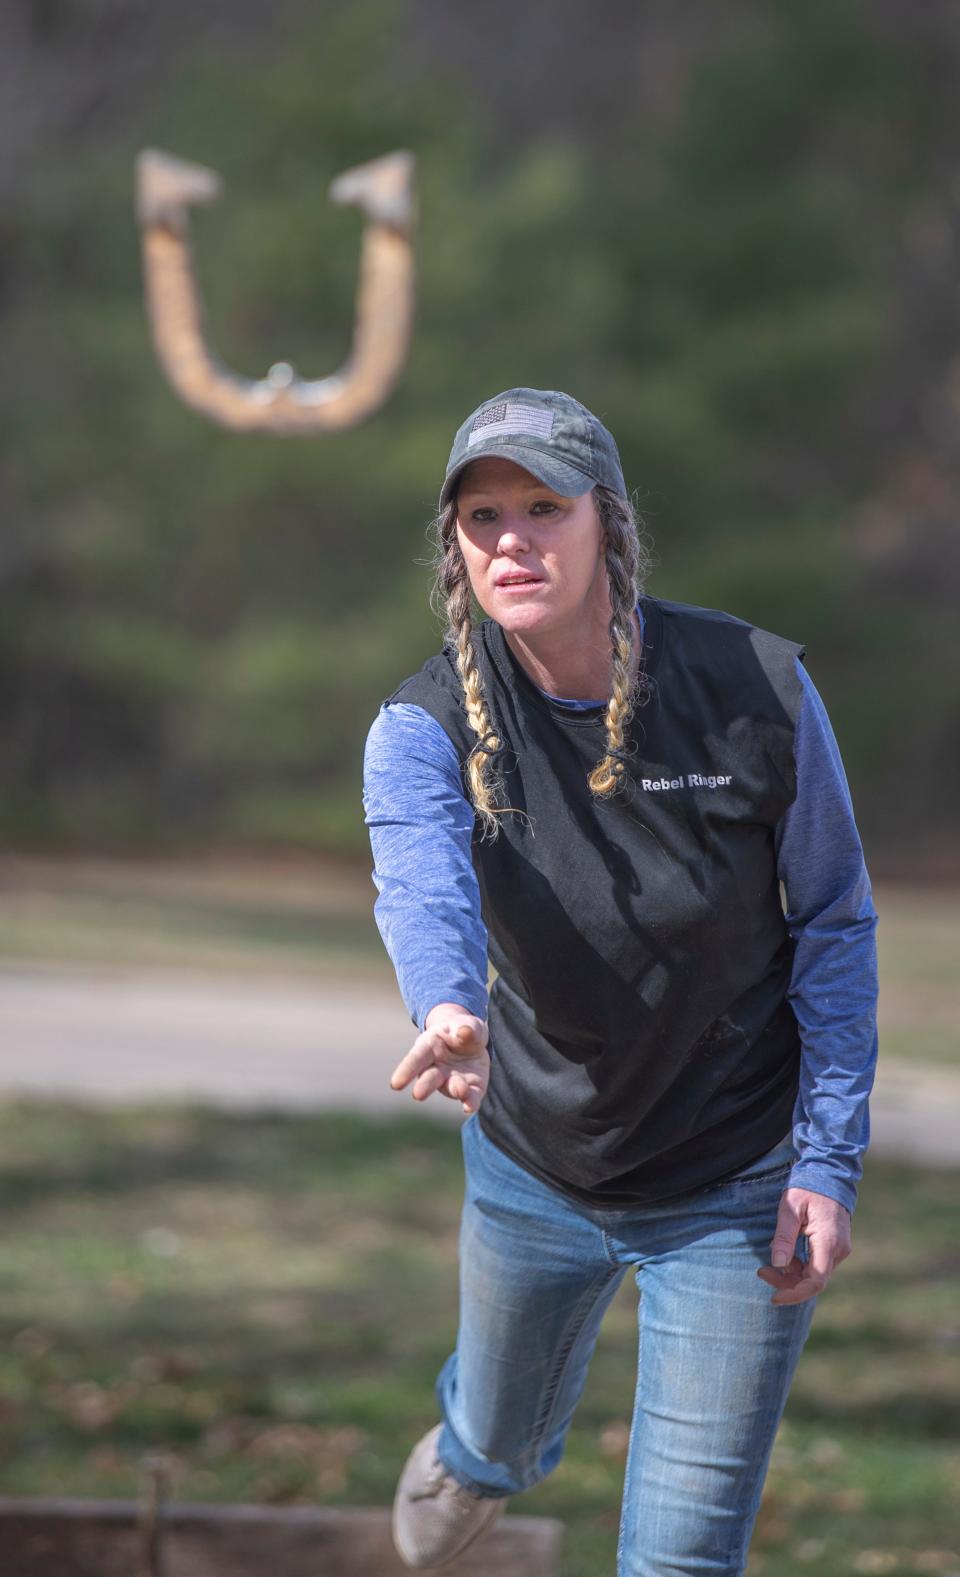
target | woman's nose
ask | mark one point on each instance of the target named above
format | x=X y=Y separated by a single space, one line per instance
x=510 y=537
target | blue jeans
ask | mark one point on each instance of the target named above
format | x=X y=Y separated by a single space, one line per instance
x=716 y=1357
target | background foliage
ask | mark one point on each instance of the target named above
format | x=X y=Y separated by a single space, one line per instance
x=734 y=236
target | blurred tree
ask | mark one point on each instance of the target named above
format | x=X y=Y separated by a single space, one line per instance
x=735 y=237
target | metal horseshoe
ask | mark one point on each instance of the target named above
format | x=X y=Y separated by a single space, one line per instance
x=281 y=402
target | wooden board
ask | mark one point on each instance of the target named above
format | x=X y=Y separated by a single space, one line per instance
x=90 y=1538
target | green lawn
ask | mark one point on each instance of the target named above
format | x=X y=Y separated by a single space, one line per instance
x=918 y=942
x=311 y=916
x=306 y=917
x=268 y=1299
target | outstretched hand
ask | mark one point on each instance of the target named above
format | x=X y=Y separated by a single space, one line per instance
x=826 y=1225
x=450 y=1055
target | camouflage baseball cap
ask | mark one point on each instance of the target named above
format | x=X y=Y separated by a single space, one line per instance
x=548 y=433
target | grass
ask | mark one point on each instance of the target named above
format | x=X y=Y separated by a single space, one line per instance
x=268 y=1299
x=311 y=916
x=918 y=942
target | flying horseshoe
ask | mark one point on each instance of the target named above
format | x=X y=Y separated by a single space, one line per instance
x=281 y=402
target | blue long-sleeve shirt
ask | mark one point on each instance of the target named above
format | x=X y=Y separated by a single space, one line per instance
x=428 y=914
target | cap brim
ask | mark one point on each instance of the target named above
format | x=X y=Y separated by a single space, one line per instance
x=564 y=479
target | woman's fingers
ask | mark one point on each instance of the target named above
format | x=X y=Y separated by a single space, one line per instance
x=789 y=1276
x=431 y=1079
x=451 y=1057
x=422 y=1055
x=466 y=1088
x=826 y=1224
x=462 y=1039
x=796 y=1282
x=464 y=1036
x=816 y=1274
x=443 y=1044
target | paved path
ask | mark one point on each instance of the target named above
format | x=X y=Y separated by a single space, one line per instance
x=294 y=1045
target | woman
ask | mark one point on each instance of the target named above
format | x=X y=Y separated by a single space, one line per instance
x=605 y=791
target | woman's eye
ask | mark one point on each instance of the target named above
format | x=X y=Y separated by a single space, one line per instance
x=486 y=512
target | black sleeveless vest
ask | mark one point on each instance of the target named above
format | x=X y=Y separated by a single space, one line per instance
x=642 y=1044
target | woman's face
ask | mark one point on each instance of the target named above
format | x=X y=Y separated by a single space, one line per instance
x=509 y=524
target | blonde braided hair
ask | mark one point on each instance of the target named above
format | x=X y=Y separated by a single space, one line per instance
x=627 y=562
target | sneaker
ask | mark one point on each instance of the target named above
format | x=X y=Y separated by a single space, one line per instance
x=434 y=1518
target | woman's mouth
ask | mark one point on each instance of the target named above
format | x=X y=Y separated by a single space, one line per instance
x=529 y=583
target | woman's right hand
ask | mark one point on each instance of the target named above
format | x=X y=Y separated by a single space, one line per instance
x=450 y=1055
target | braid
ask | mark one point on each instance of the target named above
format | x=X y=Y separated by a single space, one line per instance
x=627 y=562
x=452 y=589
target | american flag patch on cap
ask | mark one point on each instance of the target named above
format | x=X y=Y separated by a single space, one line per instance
x=499 y=421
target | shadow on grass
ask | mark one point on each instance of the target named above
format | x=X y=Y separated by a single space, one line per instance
x=98 y=1152
x=270 y=1297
